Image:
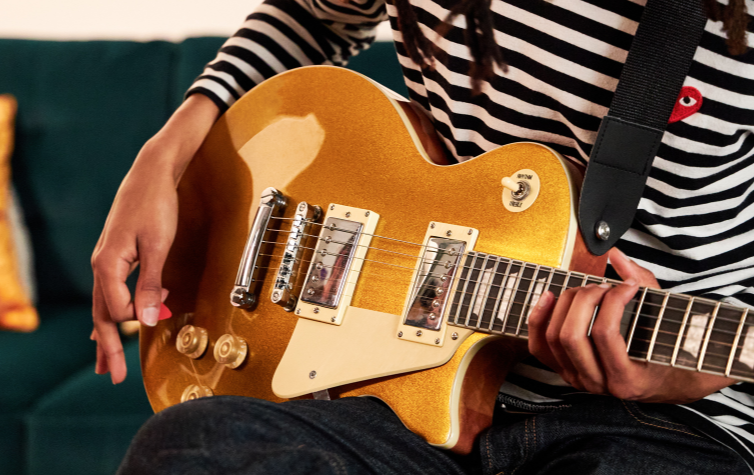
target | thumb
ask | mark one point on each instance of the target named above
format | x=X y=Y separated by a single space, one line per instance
x=149 y=293
x=629 y=270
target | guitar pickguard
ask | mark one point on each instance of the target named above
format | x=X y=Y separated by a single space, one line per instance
x=364 y=346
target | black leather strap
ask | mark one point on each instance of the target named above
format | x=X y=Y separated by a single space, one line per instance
x=630 y=134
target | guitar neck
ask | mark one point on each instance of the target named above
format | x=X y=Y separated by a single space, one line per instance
x=496 y=295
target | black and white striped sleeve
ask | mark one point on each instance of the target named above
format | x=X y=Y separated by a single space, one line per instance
x=285 y=34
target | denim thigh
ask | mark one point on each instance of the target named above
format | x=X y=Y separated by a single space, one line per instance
x=603 y=435
x=236 y=435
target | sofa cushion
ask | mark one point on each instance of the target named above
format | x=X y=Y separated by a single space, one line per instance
x=34 y=363
x=85 y=110
x=85 y=425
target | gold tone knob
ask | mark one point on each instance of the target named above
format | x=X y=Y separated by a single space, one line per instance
x=230 y=351
x=195 y=391
x=191 y=341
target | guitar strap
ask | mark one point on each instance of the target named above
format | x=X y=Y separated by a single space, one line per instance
x=631 y=132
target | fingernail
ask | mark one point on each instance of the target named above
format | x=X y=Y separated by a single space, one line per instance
x=149 y=316
x=630 y=281
x=605 y=286
x=544 y=300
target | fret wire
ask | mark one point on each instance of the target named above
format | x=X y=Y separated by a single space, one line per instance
x=475 y=292
x=500 y=293
x=470 y=253
x=527 y=299
x=703 y=352
x=513 y=296
x=487 y=290
x=735 y=342
x=565 y=283
x=680 y=333
x=465 y=286
x=636 y=320
x=660 y=343
x=668 y=320
x=657 y=325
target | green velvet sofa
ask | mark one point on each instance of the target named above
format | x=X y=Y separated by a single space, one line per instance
x=85 y=109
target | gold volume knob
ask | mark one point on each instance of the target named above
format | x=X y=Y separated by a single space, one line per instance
x=230 y=350
x=195 y=391
x=191 y=341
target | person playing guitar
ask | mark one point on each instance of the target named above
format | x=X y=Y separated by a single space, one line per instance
x=487 y=73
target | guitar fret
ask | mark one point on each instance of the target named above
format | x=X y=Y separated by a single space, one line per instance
x=636 y=320
x=680 y=333
x=475 y=290
x=703 y=351
x=660 y=327
x=465 y=276
x=500 y=293
x=513 y=297
x=657 y=326
x=734 y=347
x=491 y=278
x=465 y=294
x=524 y=314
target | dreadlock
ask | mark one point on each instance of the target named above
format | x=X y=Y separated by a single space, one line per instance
x=479 y=34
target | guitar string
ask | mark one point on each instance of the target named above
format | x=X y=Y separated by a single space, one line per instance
x=514 y=318
x=533 y=277
x=507 y=276
x=522 y=279
x=574 y=275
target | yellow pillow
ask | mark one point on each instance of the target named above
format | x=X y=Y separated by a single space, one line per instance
x=16 y=310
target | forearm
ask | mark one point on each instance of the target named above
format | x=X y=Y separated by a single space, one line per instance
x=173 y=147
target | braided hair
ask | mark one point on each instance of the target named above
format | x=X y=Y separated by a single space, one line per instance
x=479 y=34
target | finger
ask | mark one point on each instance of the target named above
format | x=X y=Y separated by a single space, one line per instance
x=110 y=274
x=149 y=292
x=110 y=357
x=575 y=340
x=608 y=340
x=537 y=328
x=101 y=366
x=552 y=336
x=630 y=270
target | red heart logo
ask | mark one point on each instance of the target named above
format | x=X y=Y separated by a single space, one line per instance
x=689 y=101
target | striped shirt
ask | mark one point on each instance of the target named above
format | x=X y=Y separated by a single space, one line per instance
x=693 y=228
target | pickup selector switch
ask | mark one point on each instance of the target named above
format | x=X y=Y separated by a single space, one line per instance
x=230 y=351
x=191 y=341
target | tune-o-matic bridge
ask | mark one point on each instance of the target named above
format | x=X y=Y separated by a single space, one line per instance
x=301 y=225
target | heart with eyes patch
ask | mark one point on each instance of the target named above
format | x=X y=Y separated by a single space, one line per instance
x=688 y=103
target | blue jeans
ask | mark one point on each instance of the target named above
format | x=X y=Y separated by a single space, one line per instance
x=235 y=435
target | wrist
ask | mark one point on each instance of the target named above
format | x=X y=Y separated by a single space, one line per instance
x=173 y=147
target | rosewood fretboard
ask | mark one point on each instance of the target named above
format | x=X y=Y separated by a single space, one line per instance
x=496 y=295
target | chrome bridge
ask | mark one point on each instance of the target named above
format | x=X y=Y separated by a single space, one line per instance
x=282 y=291
x=243 y=295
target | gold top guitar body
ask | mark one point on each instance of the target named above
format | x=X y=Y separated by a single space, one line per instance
x=328 y=137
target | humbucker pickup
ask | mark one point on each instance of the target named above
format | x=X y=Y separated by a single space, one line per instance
x=336 y=263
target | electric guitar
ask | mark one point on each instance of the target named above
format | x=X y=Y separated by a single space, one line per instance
x=321 y=249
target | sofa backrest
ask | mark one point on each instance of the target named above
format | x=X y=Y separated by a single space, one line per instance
x=85 y=110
